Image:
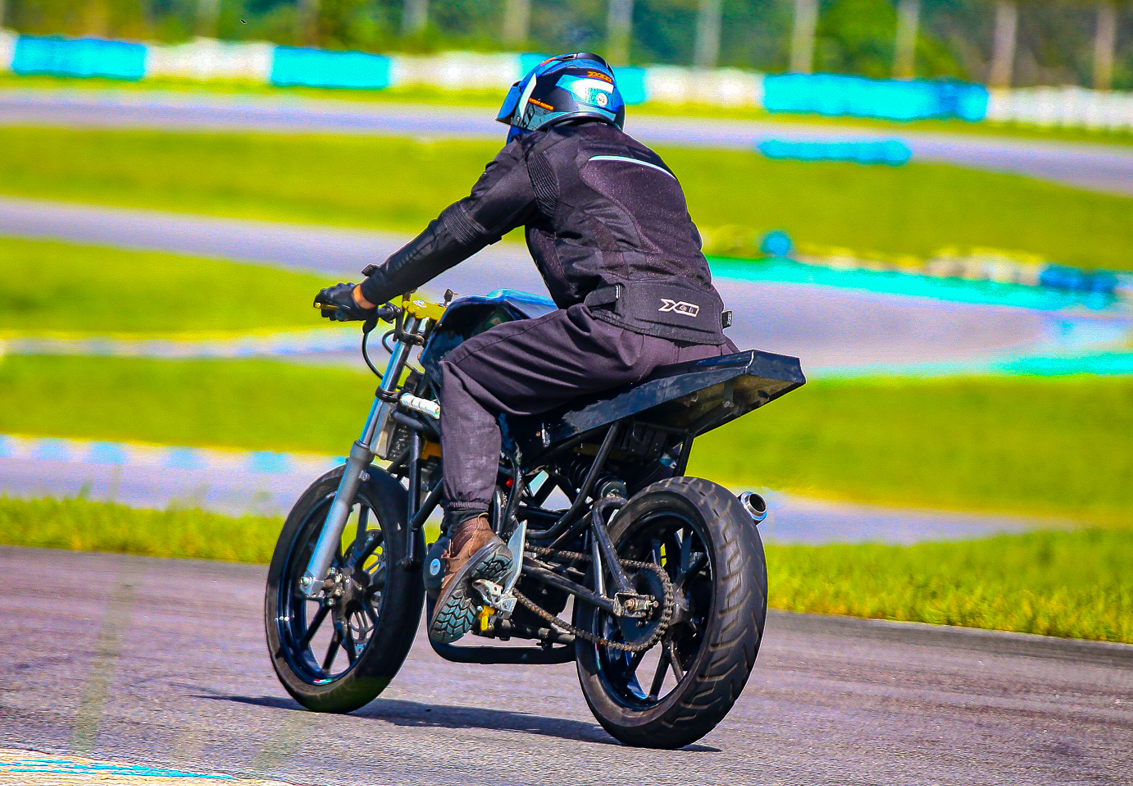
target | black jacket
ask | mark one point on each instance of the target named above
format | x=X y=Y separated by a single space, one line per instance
x=599 y=208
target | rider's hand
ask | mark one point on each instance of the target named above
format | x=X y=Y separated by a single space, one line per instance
x=339 y=303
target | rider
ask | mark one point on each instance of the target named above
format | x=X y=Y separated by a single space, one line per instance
x=608 y=228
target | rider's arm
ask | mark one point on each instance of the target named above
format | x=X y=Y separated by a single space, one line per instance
x=501 y=200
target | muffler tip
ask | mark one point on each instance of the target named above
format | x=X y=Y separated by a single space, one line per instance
x=755 y=505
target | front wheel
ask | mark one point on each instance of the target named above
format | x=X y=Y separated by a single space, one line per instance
x=676 y=692
x=337 y=653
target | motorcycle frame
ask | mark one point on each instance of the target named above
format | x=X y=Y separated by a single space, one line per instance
x=585 y=522
x=406 y=466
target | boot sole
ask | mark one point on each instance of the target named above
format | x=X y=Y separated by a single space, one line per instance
x=455 y=611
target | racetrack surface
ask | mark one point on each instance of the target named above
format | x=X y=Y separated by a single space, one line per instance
x=162 y=663
x=1106 y=168
x=827 y=327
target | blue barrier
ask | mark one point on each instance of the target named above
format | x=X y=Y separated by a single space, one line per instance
x=321 y=68
x=831 y=94
x=84 y=57
x=1071 y=279
x=883 y=151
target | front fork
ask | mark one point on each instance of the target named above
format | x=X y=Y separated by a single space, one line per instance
x=361 y=456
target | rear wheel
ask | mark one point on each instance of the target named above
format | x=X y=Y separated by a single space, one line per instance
x=677 y=691
x=337 y=653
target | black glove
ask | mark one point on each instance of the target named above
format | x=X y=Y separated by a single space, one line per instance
x=338 y=303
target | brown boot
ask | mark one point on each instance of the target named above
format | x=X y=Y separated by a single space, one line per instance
x=474 y=552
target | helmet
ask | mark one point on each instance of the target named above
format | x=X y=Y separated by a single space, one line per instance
x=562 y=88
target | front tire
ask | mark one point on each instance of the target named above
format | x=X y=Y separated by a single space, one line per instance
x=676 y=692
x=338 y=653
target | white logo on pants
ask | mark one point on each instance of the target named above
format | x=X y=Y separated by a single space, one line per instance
x=679 y=307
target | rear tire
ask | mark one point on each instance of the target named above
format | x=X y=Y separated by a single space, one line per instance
x=370 y=627
x=711 y=549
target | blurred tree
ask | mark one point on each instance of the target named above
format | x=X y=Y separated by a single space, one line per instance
x=856 y=37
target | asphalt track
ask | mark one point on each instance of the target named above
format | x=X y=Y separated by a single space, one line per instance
x=826 y=327
x=1107 y=168
x=162 y=663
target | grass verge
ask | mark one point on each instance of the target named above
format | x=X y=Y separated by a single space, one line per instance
x=252 y=404
x=83 y=525
x=401 y=184
x=1054 y=583
x=1070 y=584
x=1031 y=446
x=57 y=287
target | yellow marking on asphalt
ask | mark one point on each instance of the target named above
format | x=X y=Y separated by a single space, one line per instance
x=108 y=648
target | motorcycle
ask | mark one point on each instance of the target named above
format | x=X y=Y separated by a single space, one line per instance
x=652 y=582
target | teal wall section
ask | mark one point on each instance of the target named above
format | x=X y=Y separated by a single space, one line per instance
x=323 y=68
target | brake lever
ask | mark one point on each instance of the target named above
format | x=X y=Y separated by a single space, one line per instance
x=386 y=313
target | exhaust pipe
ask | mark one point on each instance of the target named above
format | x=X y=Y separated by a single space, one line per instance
x=755 y=506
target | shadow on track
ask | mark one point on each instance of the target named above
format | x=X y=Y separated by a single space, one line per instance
x=416 y=714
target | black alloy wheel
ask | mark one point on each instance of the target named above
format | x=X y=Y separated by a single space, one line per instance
x=678 y=690
x=336 y=652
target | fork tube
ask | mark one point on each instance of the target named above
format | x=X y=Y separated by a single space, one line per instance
x=361 y=456
x=375 y=425
x=409 y=562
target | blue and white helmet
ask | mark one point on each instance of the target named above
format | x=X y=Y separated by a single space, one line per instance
x=562 y=88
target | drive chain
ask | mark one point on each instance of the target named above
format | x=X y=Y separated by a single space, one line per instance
x=563 y=625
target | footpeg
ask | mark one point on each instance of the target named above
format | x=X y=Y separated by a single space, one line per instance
x=495 y=597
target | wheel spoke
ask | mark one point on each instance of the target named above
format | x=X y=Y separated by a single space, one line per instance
x=686 y=550
x=348 y=643
x=633 y=662
x=378 y=577
x=659 y=675
x=674 y=660
x=316 y=621
x=332 y=650
x=363 y=518
x=373 y=615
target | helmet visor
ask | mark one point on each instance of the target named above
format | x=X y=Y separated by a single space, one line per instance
x=511 y=101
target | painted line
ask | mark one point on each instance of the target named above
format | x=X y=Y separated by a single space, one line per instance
x=126 y=454
x=292 y=342
x=30 y=768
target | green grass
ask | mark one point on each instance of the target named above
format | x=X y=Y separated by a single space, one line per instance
x=1038 y=446
x=1072 y=584
x=491 y=100
x=401 y=184
x=83 y=525
x=1033 y=446
x=50 y=287
x=253 y=404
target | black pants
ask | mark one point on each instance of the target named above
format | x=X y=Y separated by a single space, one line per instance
x=528 y=367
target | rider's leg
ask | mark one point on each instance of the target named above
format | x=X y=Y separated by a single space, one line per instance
x=526 y=368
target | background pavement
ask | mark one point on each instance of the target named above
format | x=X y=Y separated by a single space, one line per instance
x=1098 y=167
x=827 y=327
